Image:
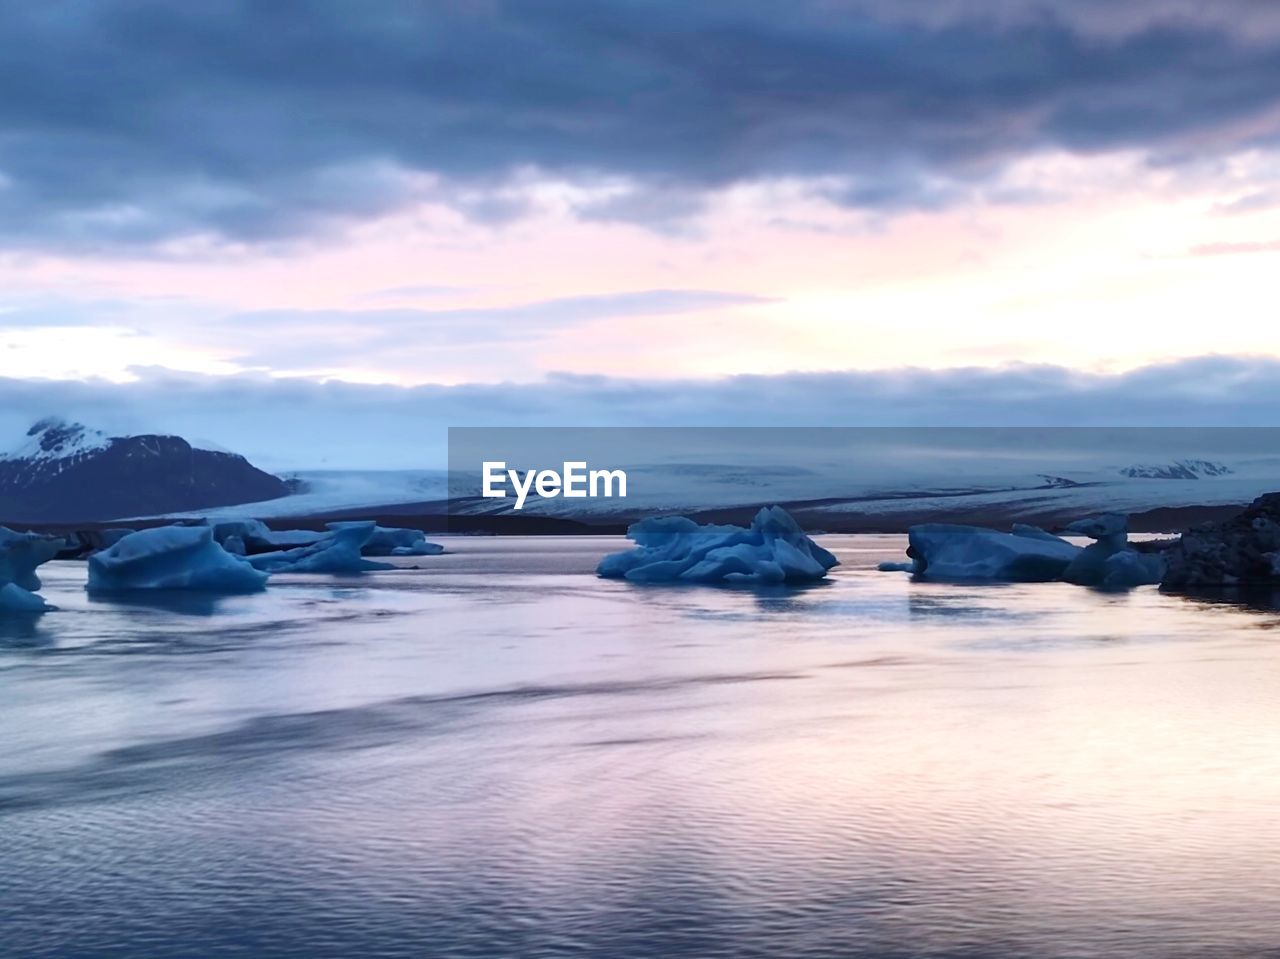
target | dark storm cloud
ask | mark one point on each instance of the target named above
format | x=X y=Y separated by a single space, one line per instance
x=129 y=121
x=304 y=422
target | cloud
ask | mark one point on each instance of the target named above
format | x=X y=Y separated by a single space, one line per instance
x=310 y=339
x=1230 y=249
x=139 y=123
x=414 y=291
x=299 y=422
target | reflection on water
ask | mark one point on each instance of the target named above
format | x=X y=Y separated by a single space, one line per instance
x=22 y=631
x=179 y=602
x=1258 y=598
x=500 y=755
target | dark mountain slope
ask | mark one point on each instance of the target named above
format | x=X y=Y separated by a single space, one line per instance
x=66 y=472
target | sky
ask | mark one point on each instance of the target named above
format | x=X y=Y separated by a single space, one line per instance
x=321 y=232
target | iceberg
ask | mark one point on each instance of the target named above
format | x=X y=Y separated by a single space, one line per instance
x=82 y=542
x=1028 y=554
x=1111 y=562
x=1112 y=528
x=20 y=554
x=1129 y=568
x=675 y=549
x=252 y=537
x=393 y=541
x=171 y=557
x=891 y=567
x=277 y=538
x=235 y=535
x=338 y=552
x=1035 y=532
x=15 y=599
x=946 y=551
x=239 y=535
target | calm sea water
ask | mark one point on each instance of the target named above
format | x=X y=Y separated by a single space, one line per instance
x=500 y=755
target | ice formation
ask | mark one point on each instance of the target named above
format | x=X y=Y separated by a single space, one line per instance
x=675 y=549
x=172 y=557
x=252 y=537
x=946 y=551
x=1028 y=554
x=20 y=554
x=239 y=535
x=1128 y=568
x=1111 y=534
x=338 y=552
x=1110 y=561
x=394 y=541
x=1035 y=532
x=15 y=599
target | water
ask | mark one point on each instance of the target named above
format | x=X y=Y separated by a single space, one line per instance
x=500 y=755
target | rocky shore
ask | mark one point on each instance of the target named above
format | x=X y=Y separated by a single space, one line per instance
x=1241 y=551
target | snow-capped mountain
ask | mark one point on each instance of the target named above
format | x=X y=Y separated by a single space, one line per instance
x=68 y=472
x=55 y=439
x=1178 y=469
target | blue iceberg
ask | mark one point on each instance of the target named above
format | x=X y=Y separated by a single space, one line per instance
x=675 y=549
x=1028 y=554
x=1128 y=568
x=952 y=552
x=15 y=599
x=338 y=552
x=239 y=535
x=393 y=541
x=171 y=557
x=1110 y=562
x=20 y=554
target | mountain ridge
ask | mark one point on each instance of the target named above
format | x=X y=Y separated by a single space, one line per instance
x=1184 y=469
x=65 y=472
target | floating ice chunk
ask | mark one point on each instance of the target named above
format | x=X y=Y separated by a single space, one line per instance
x=15 y=599
x=889 y=567
x=338 y=552
x=1112 y=562
x=418 y=549
x=1130 y=568
x=172 y=557
x=945 y=551
x=278 y=538
x=229 y=530
x=113 y=535
x=394 y=541
x=21 y=553
x=1104 y=527
x=82 y=542
x=241 y=536
x=1111 y=532
x=1029 y=554
x=1035 y=532
x=676 y=549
